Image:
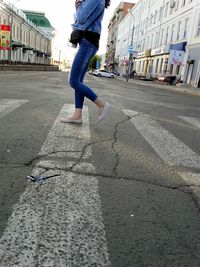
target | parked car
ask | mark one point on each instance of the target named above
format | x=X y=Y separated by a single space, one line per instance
x=104 y=73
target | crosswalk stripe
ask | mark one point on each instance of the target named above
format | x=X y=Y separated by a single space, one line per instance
x=193 y=181
x=69 y=139
x=167 y=146
x=193 y=121
x=83 y=166
x=60 y=222
x=9 y=105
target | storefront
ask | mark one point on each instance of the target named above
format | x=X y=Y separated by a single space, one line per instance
x=177 y=57
x=141 y=63
x=192 y=70
x=159 y=61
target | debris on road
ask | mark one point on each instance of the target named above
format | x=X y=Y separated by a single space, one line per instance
x=40 y=178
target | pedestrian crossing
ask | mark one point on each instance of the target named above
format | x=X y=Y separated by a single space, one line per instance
x=168 y=147
x=193 y=121
x=172 y=150
x=60 y=223
x=9 y=105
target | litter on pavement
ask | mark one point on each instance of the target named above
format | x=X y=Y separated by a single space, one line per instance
x=40 y=178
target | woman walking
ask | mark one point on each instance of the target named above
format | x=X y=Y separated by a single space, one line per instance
x=89 y=15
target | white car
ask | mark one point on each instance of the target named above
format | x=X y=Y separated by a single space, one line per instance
x=103 y=73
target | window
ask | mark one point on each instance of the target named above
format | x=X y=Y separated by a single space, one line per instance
x=177 y=4
x=172 y=33
x=161 y=37
x=156 y=40
x=17 y=33
x=13 y=29
x=198 y=27
x=161 y=12
x=152 y=41
x=167 y=35
x=186 y=28
x=143 y=44
x=161 y=65
x=178 y=69
x=147 y=44
x=178 y=31
x=166 y=9
x=155 y=17
x=171 y=68
x=157 y=62
x=151 y=20
x=183 y=3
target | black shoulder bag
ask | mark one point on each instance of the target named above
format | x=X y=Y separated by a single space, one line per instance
x=77 y=35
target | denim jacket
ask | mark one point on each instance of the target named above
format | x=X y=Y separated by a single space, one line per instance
x=86 y=14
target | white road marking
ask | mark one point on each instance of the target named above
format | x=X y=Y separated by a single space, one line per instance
x=60 y=222
x=68 y=138
x=9 y=105
x=167 y=146
x=193 y=180
x=193 y=121
x=82 y=166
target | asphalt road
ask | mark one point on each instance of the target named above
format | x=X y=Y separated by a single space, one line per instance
x=127 y=191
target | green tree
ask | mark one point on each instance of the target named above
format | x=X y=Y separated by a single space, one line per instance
x=93 y=62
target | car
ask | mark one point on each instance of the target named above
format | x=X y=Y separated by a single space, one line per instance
x=104 y=73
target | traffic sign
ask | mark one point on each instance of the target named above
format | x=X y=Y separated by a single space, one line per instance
x=130 y=49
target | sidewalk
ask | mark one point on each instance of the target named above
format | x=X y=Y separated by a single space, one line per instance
x=182 y=89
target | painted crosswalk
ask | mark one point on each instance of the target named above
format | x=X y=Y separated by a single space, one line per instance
x=173 y=151
x=168 y=147
x=193 y=121
x=58 y=223
x=9 y=105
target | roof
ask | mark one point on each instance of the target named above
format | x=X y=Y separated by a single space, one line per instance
x=38 y=18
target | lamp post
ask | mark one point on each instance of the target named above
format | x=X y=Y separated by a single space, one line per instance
x=130 y=48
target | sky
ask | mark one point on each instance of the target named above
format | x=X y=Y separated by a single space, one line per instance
x=60 y=14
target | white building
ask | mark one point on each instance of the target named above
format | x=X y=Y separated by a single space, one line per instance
x=30 y=44
x=192 y=60
x=166 y=39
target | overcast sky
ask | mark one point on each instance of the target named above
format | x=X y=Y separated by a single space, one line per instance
x=60 y=14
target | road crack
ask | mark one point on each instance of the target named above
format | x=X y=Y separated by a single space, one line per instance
x=115 y=140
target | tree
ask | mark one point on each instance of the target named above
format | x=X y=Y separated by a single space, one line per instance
x=93 y=62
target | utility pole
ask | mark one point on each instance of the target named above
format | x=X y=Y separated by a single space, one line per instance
x=130 y=49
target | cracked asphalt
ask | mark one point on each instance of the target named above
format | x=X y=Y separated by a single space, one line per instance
x=150 y=212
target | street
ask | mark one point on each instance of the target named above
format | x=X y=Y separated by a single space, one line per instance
x=123 y=193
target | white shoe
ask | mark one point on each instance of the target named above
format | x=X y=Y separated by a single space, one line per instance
x=104 y=112
x=68 y=120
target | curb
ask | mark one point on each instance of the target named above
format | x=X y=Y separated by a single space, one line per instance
x=190 y=91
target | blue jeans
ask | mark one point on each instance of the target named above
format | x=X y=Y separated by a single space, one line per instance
x=79 y=68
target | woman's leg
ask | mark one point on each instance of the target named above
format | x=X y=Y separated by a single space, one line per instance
x=79 y=68
x=85 y=53
x=80 y=97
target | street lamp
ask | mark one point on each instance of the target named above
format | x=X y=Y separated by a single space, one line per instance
x=130 y=48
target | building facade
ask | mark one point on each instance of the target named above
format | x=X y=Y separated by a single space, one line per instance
x=120 y=12
x=165 y=39
x=29 y=43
